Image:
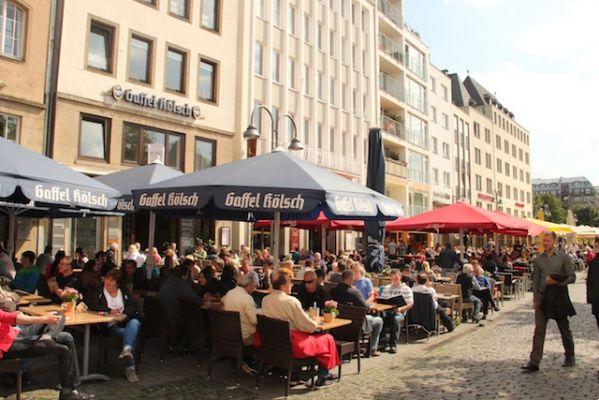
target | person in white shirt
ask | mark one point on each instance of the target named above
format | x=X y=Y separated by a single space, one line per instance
x=136 y=256
x=392 y=249
x=395 y=317
x=308 y=266
x=240 y=300
x=423 y=286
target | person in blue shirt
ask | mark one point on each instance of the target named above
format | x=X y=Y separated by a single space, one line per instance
x=363 y=284
x=28 y=276
x=485 y=294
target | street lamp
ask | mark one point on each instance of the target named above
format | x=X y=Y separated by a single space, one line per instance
x=251 y=132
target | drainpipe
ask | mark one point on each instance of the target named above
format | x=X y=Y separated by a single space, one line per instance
x=56 y=18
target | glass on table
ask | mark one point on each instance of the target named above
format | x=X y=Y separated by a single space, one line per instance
x=314 y=313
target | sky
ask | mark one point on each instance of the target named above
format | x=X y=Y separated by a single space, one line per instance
x=541 y=59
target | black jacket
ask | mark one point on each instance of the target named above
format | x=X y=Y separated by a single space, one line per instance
x=556 y=302
x=593 y=282
x=447 y=258
x=320 y=296
x=96 y=301
x=348 y=295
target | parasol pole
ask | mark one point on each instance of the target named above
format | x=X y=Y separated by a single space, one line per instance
x=10 y=241
x=275 y=239
x=323 y=239
x=150 y=257
x=462 y=246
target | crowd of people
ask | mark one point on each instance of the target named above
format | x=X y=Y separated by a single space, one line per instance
x=112 y=284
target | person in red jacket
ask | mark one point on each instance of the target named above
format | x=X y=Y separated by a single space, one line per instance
x=22 y=336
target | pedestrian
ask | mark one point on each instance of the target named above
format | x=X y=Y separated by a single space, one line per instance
x=552 y=273
x=593 y=287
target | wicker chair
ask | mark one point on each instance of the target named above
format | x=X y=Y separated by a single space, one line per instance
x=193 y=326
x=155 y=325
x=225 y=330
x=13 y=366
x=348 y=337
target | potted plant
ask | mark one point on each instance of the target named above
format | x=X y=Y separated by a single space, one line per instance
x=330 y=311
x=69 y=301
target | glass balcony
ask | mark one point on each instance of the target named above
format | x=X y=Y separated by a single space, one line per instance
x=418 y=176
x=391 y=11
x=391 y=86
x=396 y=168
x=393 y=127
x=390 y=47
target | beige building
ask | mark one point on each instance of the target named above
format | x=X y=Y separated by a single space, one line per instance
x=24 y=38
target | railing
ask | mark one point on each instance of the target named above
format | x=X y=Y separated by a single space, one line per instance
x=391 y=86
x=328 y=159
x=393 y=127
x=391 y=11
x=418 y=176
x=396 y=168
x=390 y=47
x=418 y=139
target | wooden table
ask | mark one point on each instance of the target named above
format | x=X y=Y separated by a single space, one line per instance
x=447 y=297
x=337 y=322
x=33 y=299
x=85 y=319
x=379 y=307
x=444 y=279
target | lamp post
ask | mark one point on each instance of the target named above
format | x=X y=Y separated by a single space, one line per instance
x=252 y=133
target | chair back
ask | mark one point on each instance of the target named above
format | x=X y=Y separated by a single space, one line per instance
x=328 y=286
x=154 y=321
x=423 y=312
x=276 y=342
x=225 y=331
x=353 y=331
x=193 y=326
x=42 y=287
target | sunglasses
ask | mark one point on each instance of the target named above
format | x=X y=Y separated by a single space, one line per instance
x=310 y=281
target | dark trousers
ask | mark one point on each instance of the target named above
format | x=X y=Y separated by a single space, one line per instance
x=445 y=319
x=538 y=340
x=597 y=318
x=485 y=296
x=22 y=348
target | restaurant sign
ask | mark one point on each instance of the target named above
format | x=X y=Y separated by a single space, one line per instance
x=146 y=100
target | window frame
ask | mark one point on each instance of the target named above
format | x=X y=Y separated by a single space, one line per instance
x=19 y=122
x=195 y=154
x=114 y=28
x=187 y=17
x=155 y=3
x=217 y=17
x=107 y=125
x=140 y=146
x=24 y=34
x=185 y=78
x=150 y=61
x=215 y=79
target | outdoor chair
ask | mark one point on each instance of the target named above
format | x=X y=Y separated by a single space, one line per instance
x=422 y=315
x=328 y=286
x=155 y=325
x=193 y=326
x=277 y=352
x=227 y=342
x=348 y=338
x=106 y=343
x=13 y=366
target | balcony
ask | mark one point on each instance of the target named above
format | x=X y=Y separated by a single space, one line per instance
x=396 y=168
x=390 y=47
x=391 y=11
x=390 y=86
x=418 y=176
x=332 y=160
x=392 y=127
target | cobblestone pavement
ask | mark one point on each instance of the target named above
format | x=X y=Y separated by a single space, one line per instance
x=471 y=363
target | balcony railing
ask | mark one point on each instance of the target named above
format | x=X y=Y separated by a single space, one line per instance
x=390 y=47
x=393 y=127
x=391 y=11
x=396 y=168
x=418 y=176
x=332 y=160
x=391 y=86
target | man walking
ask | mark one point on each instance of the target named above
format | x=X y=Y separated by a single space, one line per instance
x=552 y=273
x=593 y=287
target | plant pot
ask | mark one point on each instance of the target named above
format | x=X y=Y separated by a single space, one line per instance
x=68 y=307
x=328 y=317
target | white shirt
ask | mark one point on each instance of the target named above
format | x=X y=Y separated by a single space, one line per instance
x=239 y=300
x=139 y=258
x=114 y=303
x=427 y=290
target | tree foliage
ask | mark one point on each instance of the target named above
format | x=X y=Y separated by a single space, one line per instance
x=586 y=214
x=552 y=206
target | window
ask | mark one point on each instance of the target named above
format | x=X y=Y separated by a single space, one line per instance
x=260 y=8
x=435 y=142
x=332 y=99
x=498 y=142
x=207 y=80
x=416 y=131
x=205 y=154
x=12 y=29
x=344 y=97
x=259 y=59
x=344 y=50
x=140 y=55
x=508 y=191
x=306 y=28
x=477 y=156
x=332 y=43
x=514 y=172
x=291 y=73
x=434 y=114
x=415 y=94
x=276 y=12
x=100 y=47
x=136 y=139
x=415 y=61
x=332 y=140
x=499 y=165
x=489 y=186
x=506 y=146
x=417 y=167
x=487 y=135
x=435 y=176
x=306 y=132
x=479 y=183
x=499 y=188
x=445 y=92
x=9 y=127
x=319 y=85
x=445 y=121
x=176 y=61
x=319 y=36
x=507 y=169
x=319 y=136
x=291 y=20
x=344 y=143
x=446 y=179
x=516 y=193
x=306 y=79
x=180 y=8
x=521 y=175
x=210 y=18
x=446 y=150
x=488 y=161
x=276 y=66
x=433 y=85
x=514 y=150
x=476 y=130
x=93 y=138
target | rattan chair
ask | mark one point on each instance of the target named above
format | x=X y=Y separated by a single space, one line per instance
x=227 y=342
x=348 y=337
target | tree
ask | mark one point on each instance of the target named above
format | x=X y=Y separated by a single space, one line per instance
x=552 y=206
x=586 y=214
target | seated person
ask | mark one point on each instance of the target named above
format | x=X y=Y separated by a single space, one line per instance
x=344 y=293
x=227 y=278
x=337 y=269
x=65 y=282
x=469 y=284
x=239 y=299
x=406 y=275
x=485 y=294
x=29 y=274
x=280 y=305
x=244 y=266
x=37 y=336
x=363 y=284
x=423 y=286
x=115 y=299
x=308 y=266
x=310 y=292
x=214 y=288
x=194 y=271
x=320 y=276
x=266 y=274
x=176 y=288
x=90 y=279
x=132 y=277
x=395 y=317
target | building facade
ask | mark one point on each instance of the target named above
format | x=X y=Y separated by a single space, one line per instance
x=571 y=191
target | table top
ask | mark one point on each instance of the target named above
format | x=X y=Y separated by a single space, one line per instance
x=79 y=318
x=443 y=279
x=337 y=322
x=442 y=296
x=33 y=299
x=382 y=307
